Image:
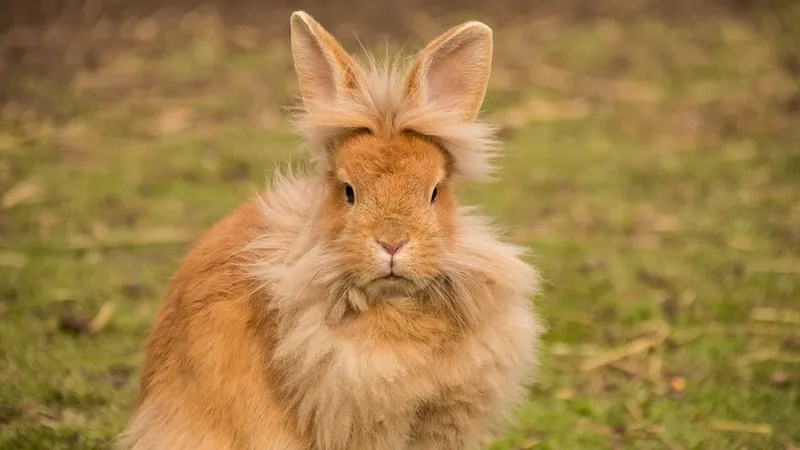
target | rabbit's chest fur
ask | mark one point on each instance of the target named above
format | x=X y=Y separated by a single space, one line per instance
x=376 y=377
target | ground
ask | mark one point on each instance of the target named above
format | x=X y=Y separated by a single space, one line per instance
x=651 y=164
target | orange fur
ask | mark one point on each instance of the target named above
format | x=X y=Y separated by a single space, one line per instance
x=355 y=308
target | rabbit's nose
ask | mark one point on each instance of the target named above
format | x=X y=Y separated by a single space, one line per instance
x=392 y=248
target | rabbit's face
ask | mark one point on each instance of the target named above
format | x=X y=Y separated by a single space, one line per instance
x=388 y=213
x=389 y=210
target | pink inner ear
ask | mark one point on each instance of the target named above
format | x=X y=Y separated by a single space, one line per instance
x=314 y=72
x=444 y=79
x=324 y=86
x=455 y=75
x=322 y=66
x=440 y=83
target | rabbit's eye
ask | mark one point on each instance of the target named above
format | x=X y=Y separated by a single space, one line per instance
x=434 y=194
x=350 y=194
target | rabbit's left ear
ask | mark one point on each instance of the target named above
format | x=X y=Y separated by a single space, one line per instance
x=324 y=69
x=453 y=70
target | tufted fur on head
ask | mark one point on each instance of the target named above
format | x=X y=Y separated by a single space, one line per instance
x=437 y=94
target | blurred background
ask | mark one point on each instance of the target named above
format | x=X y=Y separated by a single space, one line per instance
x=652 y=164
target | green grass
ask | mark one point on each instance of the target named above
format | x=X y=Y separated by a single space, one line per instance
x=664 y=198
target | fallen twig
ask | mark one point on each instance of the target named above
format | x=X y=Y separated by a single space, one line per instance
x=102 y=318
x=21 y=193
x=562 y=349
x=83 y=325
x=743 y=427
x=631 y=348
x=636 y=346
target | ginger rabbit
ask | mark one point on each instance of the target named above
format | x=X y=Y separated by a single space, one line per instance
x=358 y=308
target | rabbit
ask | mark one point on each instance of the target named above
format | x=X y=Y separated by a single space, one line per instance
x=358 y=306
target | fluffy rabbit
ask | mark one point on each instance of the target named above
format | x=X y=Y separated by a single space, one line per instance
x=358 y=308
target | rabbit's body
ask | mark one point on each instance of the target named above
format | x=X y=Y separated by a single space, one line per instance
x=329 y=315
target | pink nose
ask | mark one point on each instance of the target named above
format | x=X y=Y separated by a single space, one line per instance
x=392 y=248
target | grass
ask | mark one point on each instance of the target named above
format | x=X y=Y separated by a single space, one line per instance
x=651 y=166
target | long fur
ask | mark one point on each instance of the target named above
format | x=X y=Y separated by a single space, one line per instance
x=380 y=103
x=267 y=342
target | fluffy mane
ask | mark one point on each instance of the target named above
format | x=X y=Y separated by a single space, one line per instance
x=380 y=103
x=291 y=259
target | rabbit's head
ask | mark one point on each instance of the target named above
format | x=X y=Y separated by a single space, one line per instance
x=390 y=139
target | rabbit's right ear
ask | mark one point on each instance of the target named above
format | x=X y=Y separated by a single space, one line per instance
x=453 y=70
x=324 y=69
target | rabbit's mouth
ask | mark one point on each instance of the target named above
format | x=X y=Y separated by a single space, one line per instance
x=393 y=278
x=392 y=281
x=390 y=284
